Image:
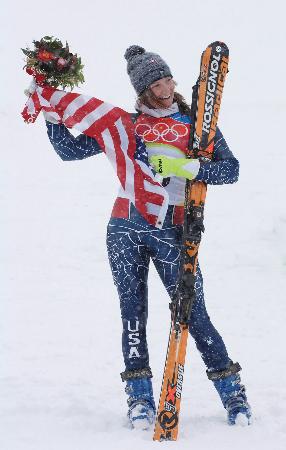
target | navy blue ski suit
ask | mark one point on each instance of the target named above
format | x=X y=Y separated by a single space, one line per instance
x=131 y=242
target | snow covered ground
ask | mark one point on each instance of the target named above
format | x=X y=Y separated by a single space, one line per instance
x=60 y=330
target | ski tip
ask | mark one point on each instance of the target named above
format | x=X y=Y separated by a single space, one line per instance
x=219 y=46
x=221 y=43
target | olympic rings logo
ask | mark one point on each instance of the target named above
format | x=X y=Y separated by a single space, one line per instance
x=161 y=130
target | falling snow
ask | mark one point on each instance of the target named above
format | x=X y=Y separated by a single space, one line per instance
x=60 y=324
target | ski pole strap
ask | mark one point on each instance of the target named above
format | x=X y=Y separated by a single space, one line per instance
x=136 y=373
x=219 y=375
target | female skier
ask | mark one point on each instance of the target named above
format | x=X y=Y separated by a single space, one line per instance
x=162 y=127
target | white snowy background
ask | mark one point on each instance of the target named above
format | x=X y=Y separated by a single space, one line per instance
x=60 y=328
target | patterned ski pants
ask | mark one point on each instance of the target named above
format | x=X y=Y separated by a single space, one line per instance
x=131 y=243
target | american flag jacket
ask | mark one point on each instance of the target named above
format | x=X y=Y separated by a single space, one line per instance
x=111 y=130
x=223 y=169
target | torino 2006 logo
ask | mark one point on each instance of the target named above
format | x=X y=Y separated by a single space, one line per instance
x=161 y=131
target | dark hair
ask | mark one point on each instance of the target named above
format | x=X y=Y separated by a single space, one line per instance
x=148 y=95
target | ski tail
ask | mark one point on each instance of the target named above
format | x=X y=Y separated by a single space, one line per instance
x=207 y=94
x=166 y=425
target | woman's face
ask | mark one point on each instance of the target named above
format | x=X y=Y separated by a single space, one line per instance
x=163 y=91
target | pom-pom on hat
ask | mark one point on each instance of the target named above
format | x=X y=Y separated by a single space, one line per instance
x=144 y=68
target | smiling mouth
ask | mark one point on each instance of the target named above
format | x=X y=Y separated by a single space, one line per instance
x=165 y=98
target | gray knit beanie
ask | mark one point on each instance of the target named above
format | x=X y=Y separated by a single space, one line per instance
x=144 y=68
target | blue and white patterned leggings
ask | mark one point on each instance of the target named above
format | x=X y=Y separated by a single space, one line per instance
x=131 y=243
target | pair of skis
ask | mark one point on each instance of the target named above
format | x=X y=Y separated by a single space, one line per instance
x=206 y=100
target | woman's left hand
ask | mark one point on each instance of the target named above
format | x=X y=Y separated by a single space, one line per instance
x=179 y=167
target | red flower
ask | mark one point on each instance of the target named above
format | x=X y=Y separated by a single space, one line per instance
x=30 y=70
x=44 y=55
x=40 y=79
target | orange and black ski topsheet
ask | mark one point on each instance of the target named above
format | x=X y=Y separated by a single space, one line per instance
x=207 y=96
x=166 y=426
x=214 y=67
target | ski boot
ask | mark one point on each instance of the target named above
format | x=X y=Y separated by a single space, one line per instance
x=141 y=405
x=232 y=393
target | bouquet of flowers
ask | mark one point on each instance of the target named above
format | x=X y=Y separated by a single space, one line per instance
x=52 y=64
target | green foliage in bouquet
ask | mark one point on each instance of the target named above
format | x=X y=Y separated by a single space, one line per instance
x=53 y=63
